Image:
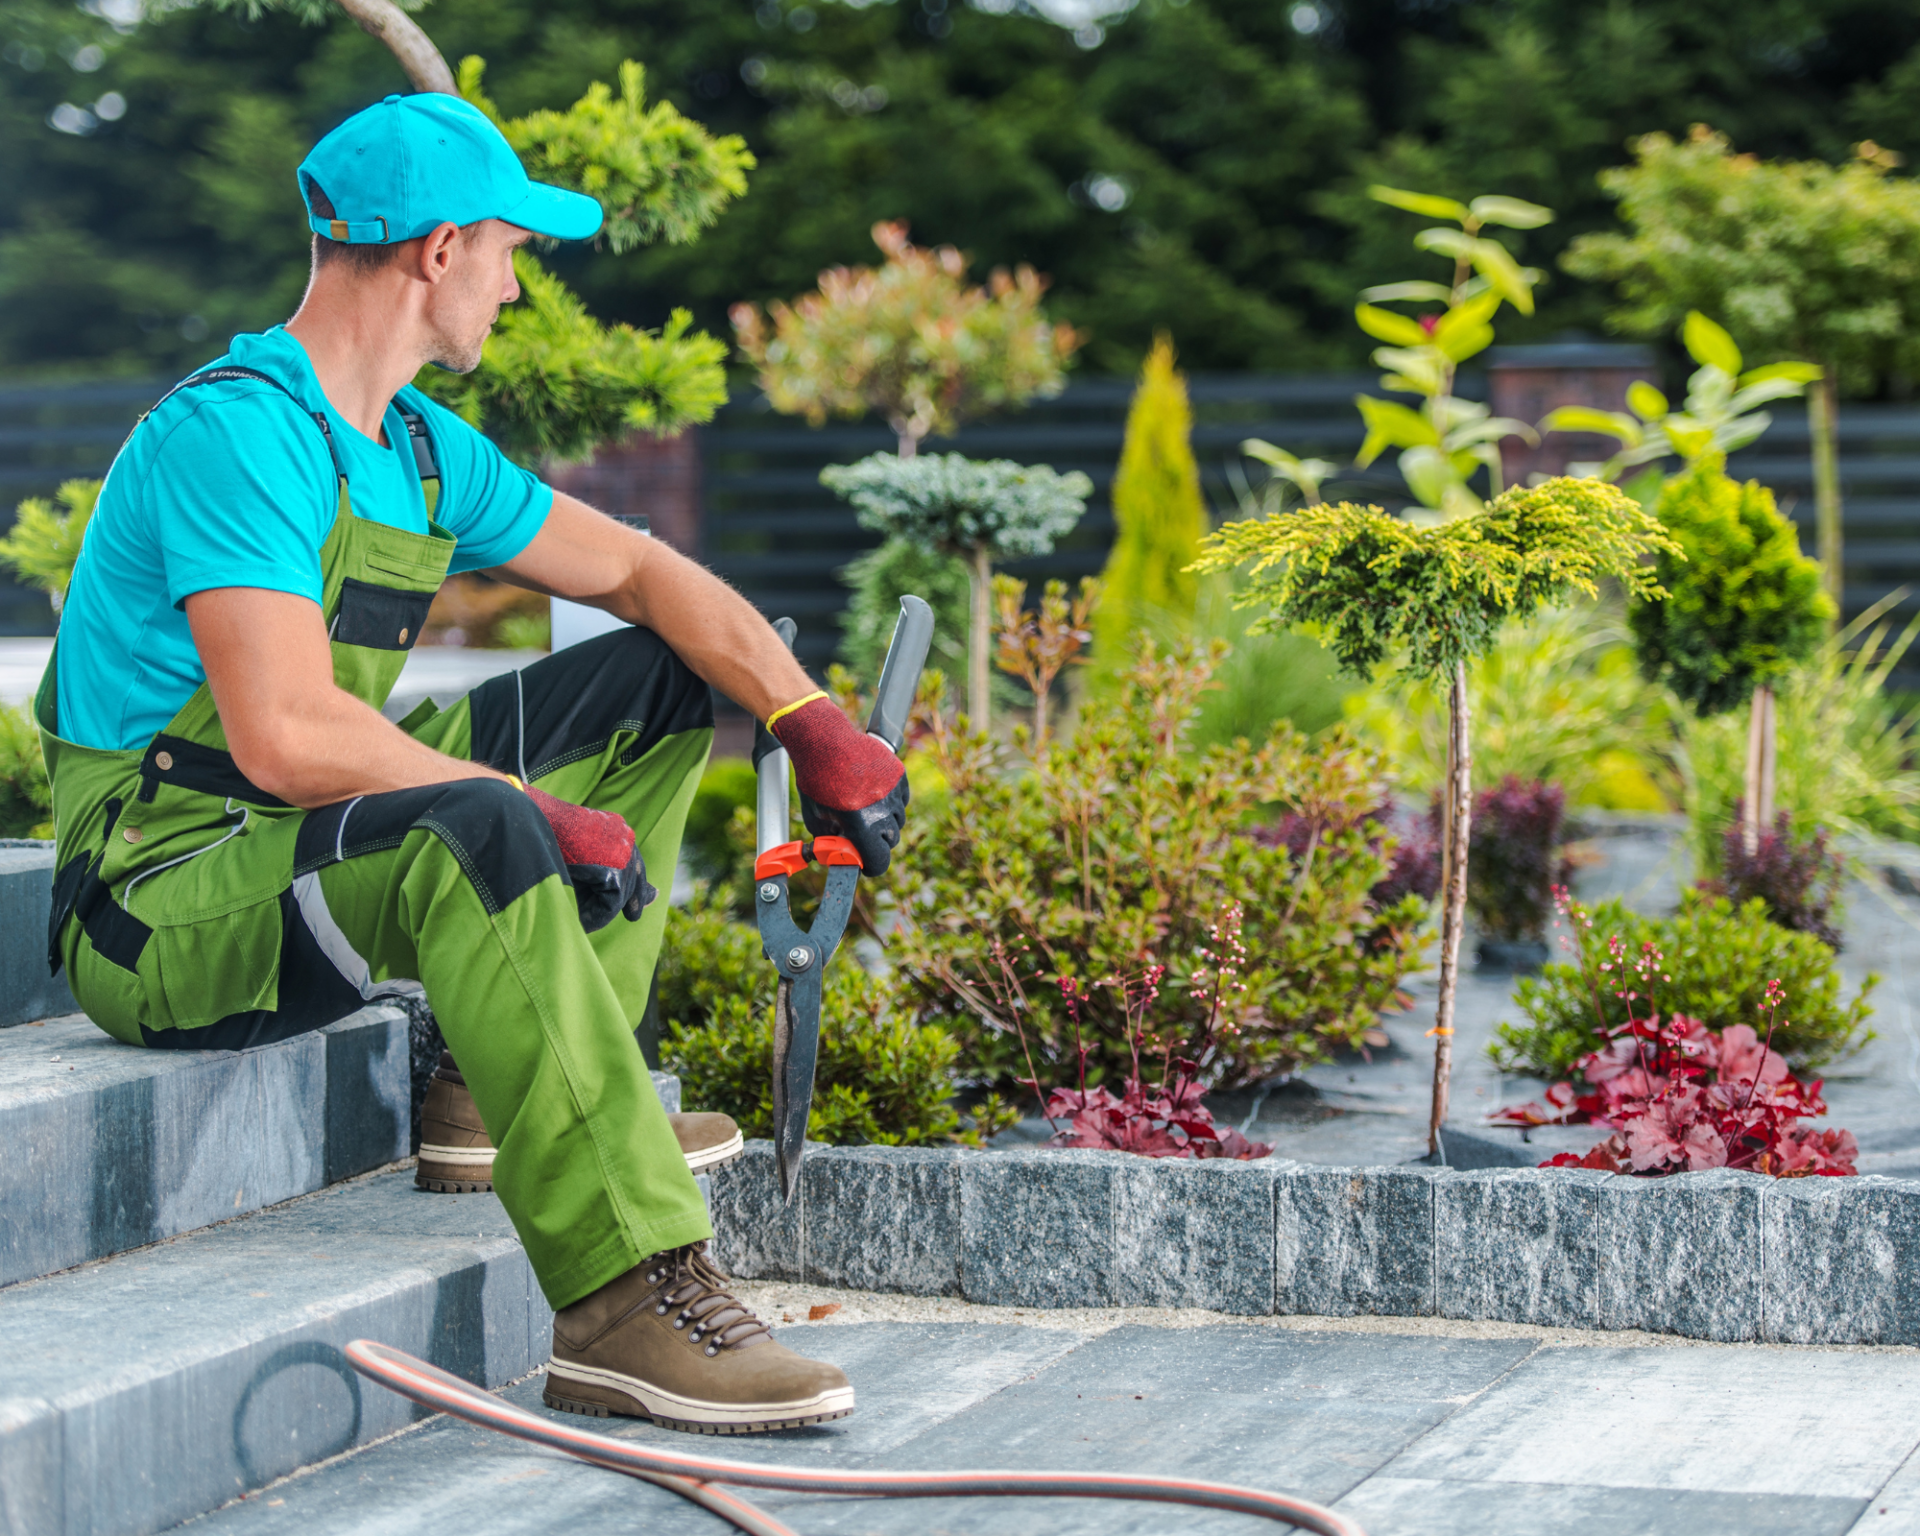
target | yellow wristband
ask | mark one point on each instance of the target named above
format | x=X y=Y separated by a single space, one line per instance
x=516 y=784
x=790 y=708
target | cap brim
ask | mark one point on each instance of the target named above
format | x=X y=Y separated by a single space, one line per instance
x=555 y=213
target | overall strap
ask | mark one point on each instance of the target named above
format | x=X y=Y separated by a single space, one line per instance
x=230 y=371
x=423 y=457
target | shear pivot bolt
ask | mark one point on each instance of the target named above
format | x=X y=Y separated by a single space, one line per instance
x=769 y=892
x=799 y=957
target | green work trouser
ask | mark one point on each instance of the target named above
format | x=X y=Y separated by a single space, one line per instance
x=457 y=886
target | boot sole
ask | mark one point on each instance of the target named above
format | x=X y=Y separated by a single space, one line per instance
x=604 y=1394
x=475 y=1177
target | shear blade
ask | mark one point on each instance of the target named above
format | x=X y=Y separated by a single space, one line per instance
x=789 y=1109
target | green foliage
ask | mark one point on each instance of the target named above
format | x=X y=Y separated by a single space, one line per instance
x=1798 y=259
x=1158 y=515
x=878 y=580
x=1720 y=960
x=658 y=176
x=1557 y=698
x=712 y=852
x=1719 y=415
x=1376 y=587
x=1264 y=680
x=44 y=543
x=1742 y=606
x=553 y=382
x=526 y=631
x=1238 y=148
x=1117 y=849
x=881 y=1078
x=1848 y=755
x=952 y=503
x=911 y=340
x=1446 y=441
x=26 y=798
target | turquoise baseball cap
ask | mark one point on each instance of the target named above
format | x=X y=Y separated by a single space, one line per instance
x=406 y=165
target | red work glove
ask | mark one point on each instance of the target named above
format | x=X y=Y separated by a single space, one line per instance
x=851 y=784
x=603 y=860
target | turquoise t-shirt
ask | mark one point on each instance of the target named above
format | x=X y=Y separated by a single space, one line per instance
x=230 y=485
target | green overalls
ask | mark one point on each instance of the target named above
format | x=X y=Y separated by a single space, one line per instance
x=193 y=909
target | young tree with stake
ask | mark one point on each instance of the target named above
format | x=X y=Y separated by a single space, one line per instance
x=1379 y=590
x=984 y=510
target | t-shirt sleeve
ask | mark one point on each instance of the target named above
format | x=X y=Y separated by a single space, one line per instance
x=487 y=502
x=242 y=494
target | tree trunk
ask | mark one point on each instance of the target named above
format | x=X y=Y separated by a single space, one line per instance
x=980 y=582
x=909 y=445
x=1823 y=420
x=404 y=39
x=1762 y=735
x=1457 y=800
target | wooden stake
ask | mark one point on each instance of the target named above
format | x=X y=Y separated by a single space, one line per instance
x=1823 y=422
x=1756 y=812
x=1457 y=803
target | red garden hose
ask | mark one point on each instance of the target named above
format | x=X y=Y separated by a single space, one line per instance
x=693 y=1476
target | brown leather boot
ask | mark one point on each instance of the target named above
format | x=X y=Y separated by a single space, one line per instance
x=667 y=1342
x=456 y=1155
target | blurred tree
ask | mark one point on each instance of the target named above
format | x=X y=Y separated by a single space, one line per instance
x=1158 y=515
x=1801 y=261
x=1204 y=162
x=910 y=340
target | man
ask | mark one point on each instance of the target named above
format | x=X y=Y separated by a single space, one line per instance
x=248 y=850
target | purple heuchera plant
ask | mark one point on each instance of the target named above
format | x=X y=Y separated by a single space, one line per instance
x=1799 y=880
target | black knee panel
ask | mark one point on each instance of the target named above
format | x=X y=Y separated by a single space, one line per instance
x=569 y=706
x=503 y=843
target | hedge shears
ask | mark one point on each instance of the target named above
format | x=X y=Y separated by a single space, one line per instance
x=801 y=955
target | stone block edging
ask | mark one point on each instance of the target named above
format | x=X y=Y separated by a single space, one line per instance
x=1718 y=1255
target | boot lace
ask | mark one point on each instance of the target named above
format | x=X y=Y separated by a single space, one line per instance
x=692 y=1287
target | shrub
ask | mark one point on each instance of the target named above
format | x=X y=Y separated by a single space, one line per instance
x=44 y=543
x=1410 y=844
x=1720 y=960
x=1515 y=860
x=1681 y=1099
x=881 y=1077
x=26 y=799
x=1114 y=850
x=1798 y=880
x=713 y=853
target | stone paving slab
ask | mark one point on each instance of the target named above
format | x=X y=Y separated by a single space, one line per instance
x=143 y=1390
x=1414 y=1435
x=109 y=1147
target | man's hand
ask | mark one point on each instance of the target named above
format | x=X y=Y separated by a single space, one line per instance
x=851 y=784
x=603 y=860
x=290 y=729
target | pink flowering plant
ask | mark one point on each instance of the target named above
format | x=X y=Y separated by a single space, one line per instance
x=1677 y=1095
x=1164 y=1119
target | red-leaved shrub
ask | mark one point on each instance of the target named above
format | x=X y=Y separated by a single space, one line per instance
x=1680 y=1097
x=1169 y=1122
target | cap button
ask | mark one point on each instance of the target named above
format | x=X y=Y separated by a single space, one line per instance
x=387 y=100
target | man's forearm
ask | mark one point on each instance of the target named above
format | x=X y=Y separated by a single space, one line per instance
x=335 y=747
x=714 y=630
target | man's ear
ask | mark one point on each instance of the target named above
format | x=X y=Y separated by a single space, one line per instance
x=436 y=252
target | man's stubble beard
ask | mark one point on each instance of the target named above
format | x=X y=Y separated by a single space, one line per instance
x=462 y=354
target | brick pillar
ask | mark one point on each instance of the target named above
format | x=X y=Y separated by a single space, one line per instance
x=643 y=473
x=1527 y=382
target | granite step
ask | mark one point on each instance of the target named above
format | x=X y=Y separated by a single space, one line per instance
x=27 y=992
x=143 y=1390
x=109 y=1147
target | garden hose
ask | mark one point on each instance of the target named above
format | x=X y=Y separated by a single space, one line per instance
x=693 y=1477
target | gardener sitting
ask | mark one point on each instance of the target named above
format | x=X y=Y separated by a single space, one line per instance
x=249 y=850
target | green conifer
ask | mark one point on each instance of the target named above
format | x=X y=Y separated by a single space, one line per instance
x=1158 y=514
